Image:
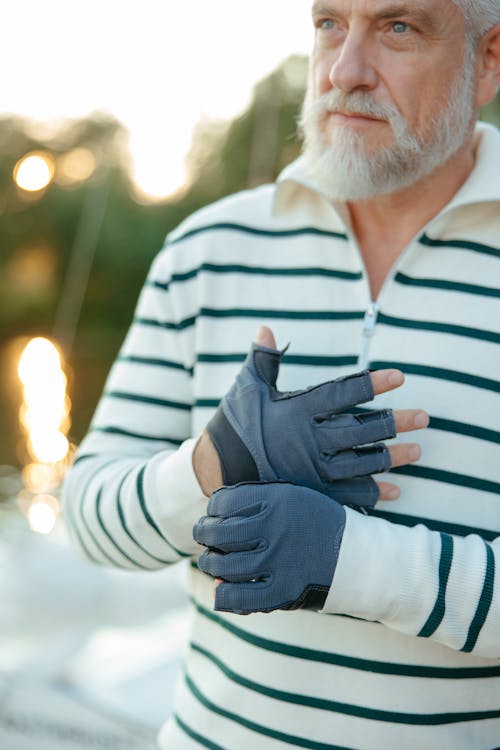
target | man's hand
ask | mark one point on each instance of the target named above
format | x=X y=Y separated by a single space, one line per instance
x=274 y=545
x=259 y=433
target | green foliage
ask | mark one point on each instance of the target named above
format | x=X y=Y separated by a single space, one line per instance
x=491 y=113
x=254 y=148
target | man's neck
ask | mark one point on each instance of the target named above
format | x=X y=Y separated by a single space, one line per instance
x=385 y=224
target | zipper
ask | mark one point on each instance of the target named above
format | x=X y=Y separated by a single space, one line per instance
x=369 y=322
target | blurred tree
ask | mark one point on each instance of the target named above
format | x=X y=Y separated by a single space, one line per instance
x=39 y=234
x=74 y=255
x=254 y=148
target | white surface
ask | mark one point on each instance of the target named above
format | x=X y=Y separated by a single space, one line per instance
x=88 y=656
x=41 y=717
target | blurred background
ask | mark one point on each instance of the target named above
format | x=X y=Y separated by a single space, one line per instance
x=117 y=119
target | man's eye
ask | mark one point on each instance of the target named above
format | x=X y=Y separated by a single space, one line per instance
x=326 y=24
x=399 y=27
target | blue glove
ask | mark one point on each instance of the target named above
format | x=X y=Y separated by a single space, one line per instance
x=275 y=546
x=262 y=434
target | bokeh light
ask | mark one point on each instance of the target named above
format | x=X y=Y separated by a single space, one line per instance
x=43 y=513
x=75 y=167
x=34 y=171
x=41 y=478
x=44 y=414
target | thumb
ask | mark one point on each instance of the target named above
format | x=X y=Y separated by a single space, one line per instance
x=265 y=337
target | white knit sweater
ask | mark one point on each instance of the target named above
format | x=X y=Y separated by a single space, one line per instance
x=415 y=664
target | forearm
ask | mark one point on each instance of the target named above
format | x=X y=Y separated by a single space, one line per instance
x=420 y=582
x=133 y=511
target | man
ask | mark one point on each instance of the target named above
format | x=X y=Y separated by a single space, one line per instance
x=380 y=247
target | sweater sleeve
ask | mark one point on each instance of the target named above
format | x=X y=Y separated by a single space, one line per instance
x=131 y=497
x=420 y=582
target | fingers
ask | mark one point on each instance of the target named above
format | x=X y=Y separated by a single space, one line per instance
x=362 y=492
x=265 y=337
x=240 y=598
x=229 y=534
x=235 y=567
x=388 y=491
x=241 y=500
x=404 y=453
x=343 y=431
x=386 y=380
x=401 y=454
x=369 y=459
x=356 y=462
x=335 y=396
x=410 y=419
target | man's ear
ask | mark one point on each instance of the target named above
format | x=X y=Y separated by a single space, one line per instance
x=489 y=71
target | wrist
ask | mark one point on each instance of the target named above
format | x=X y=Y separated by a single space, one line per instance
x=206 y=465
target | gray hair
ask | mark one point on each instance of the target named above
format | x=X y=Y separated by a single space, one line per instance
x=480 y=15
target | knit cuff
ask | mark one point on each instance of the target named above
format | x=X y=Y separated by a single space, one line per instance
x=385 y=572
x=175 y=496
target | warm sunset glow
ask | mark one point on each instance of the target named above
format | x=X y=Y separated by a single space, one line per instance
x=169 y=66
x=153 y=183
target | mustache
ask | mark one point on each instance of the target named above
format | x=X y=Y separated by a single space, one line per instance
x=357 y=103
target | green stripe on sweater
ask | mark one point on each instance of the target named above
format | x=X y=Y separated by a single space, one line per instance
x=439 y=373
x=437 y=614
x=449 y=286
x=256 y=232
x=348 y=662
x=147 y=515
x=449 y=328
x=476 y=247
x=258 y=728
x=195 y=736
x=447 y=527
x=227 y=268
x=362 y=712
x=484 y=602
x=208 y=312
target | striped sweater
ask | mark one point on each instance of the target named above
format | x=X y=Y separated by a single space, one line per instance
x=406 y=653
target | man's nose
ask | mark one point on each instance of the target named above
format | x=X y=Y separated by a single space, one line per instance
x=353 y=69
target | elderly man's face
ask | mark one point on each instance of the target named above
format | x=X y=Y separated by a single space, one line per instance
x=391 y=93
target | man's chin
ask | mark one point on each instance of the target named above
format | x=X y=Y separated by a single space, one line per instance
x=348 y=177
x=363 y=141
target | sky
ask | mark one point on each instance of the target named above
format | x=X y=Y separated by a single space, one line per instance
x=159 y=66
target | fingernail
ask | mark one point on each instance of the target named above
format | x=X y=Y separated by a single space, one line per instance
x=395 y=378
x=414 y=452
x=421 y=419
x=394 y=494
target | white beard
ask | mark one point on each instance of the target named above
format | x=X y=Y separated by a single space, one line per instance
x=343 y=170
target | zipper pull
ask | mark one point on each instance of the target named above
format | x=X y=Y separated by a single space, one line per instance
x=370 y=319
x=369 y=322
